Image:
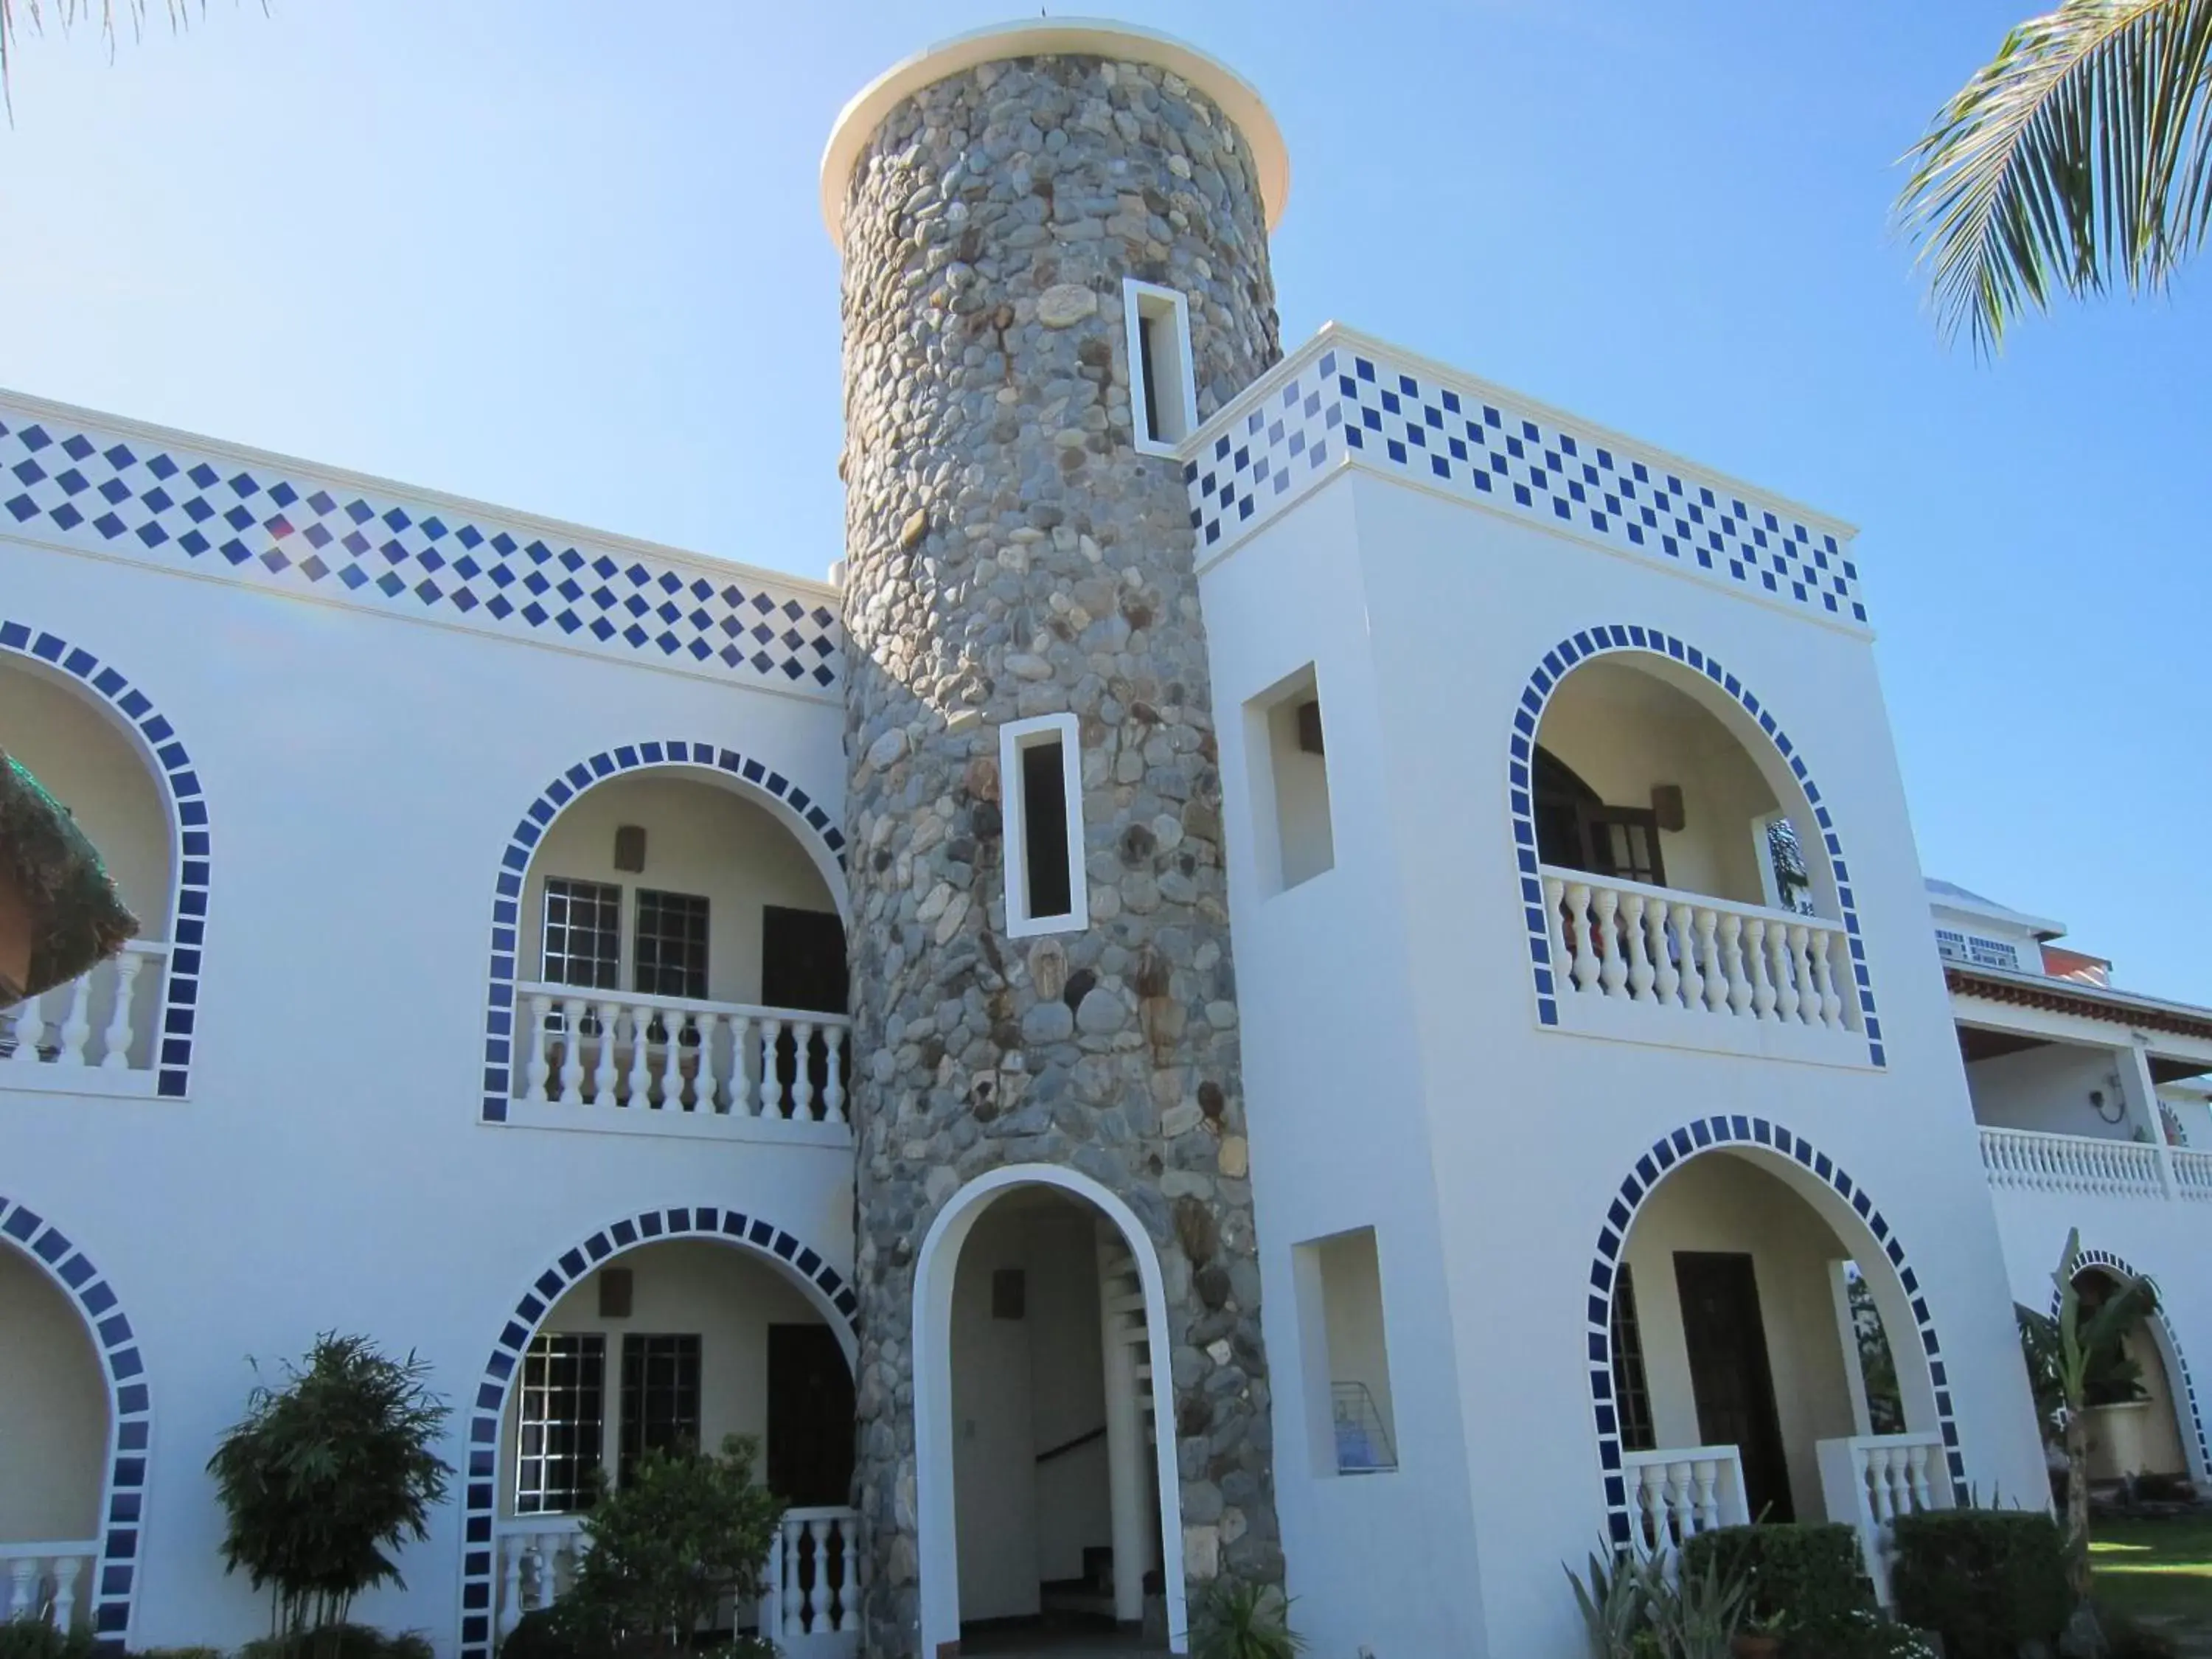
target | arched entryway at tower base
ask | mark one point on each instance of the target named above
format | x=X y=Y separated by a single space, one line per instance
x=2181 y=1388
x=482 y=1572
x=936 y=1459
x=1779 y=1226
x=89 y=1579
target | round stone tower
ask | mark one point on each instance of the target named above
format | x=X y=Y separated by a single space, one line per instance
x=1011 y=552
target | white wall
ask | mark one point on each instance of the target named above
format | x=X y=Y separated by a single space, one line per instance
x=363 y=773
x=701 y=839
x=2047 y=1089
x=1727 y=1204
x=725 y=1296
x=1624 y=730
x=1397 y=1077
x=92 y=764
x=53 y=1411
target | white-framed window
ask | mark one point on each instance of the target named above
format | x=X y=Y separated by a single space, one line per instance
x=1040 y=783
x=1162 y=384
x=561 y=1422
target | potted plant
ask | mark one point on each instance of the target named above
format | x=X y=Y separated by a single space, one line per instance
x=1760 y=1637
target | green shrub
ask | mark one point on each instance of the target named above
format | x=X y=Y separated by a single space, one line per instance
x=1811 y=1578
x=330 y=1641
x=178 y=1653
x=1245 y=1621
x=1985 y=1580
x=35 y=1638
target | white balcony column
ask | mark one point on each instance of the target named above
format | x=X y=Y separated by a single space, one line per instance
x=849 y=1594
x=1756 y=957
x=66 y=1569
x=604 y=1014
x=802 y=1079
x=22 y=1586
x=1583 y=945
x=1667 y=978
x=1823 y=983
x=115 y=1042
x=833 y=1093
x=1612 y=967
x=707 y=1080
x=1641 y=975
x=771 y=1086
x=638 y=1083
x=572 y=1051
x=76 y=1020
x=537 y=1071
x=1732 y=970
x=1719 y=991
x=1685 y=919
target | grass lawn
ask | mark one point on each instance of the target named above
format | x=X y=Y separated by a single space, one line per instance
x=2157 y=1569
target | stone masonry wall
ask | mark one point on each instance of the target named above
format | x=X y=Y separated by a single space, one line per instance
x=1009 y=553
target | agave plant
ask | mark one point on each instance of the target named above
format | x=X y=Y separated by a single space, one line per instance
x=1245 y=1621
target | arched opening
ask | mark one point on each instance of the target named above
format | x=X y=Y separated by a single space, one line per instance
x=1675 y=858
x=2138 y=1429
x=104 y=1029
x=1040 y=1371
x=1767 y=1353
x=673 y=1345
x=55 y=1433
x=679 y=955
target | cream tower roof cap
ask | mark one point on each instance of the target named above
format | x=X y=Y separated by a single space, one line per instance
x=1073 y=36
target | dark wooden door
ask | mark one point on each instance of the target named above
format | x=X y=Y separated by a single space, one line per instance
x=803 y=960
x=1622 y=841
x=1729 y=1375
x=809 y=1416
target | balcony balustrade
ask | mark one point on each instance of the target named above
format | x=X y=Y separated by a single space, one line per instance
x=2030 y=1160
x=809 y=1603
x=607 y=1060
x=92 y=1036
x=1869 y=1480
x=1673 y=1495
x=1651 y=964
x=48 y=1581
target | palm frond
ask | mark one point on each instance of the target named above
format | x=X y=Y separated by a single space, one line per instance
x=2079 y=159
x=68 y=14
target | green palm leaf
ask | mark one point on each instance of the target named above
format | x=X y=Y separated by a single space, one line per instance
x=2079 y=159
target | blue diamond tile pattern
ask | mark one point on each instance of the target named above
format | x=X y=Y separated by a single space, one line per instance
x=114 y=1586
x=275 y=527
x=782 y=1251
x=1769 y=1141
x=1334 y=405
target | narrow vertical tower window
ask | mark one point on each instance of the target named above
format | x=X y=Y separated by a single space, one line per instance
x=1163 y=393
x=1040 y=767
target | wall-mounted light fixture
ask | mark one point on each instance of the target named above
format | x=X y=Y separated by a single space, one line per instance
x=1667 y=807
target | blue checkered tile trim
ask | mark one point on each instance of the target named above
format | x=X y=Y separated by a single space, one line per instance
x=2107 y=1260
x=130 y=1413
x=514 y=869
x=181 y=783
x=1335 y=405
x=824 y=1285
x=1692 y=1140
x=164 y=505
x=1558 y=662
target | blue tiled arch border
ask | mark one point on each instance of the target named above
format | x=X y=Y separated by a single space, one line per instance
x=1558 y=663
x=130 y=1412
x=2116 y=1264
x=479 y=1558
x=1711 y=1134
x=557 y=796
x=188 y=812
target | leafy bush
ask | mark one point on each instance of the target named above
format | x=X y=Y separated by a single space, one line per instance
x=35 y=1638
x=1811 y=1576
x=330 y=1641
x=1637 y=1610
x=681 y=1531
x=1985 y=1580
x=1245 y=1621
x=327 y=1474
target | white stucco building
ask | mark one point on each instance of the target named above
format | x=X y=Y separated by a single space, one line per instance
x=492 y=1003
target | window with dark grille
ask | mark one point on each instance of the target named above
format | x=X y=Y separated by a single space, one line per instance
x=660 y=1396
x=671 y=945
x=583 y=934
x=1631 y=1393
x=561 y=1412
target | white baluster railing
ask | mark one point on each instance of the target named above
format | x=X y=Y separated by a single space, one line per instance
x=103 y=1021
x=50 y=1582
x=1623 y=941
x=648 y=1054
x=2034 y=1160
x=1673 y=1495
x=2192 y=1173
x=1868 y=1480
x=810 y=1603
x=537 y=1559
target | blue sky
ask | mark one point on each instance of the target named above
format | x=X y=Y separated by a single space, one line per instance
x=568 y=257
